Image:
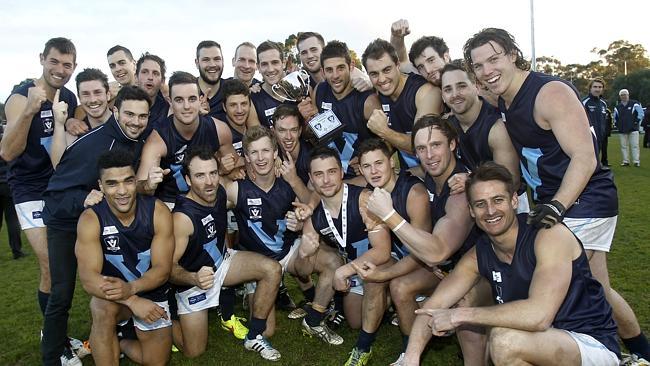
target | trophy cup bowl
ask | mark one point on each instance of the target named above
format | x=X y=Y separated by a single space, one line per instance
x=293 y=87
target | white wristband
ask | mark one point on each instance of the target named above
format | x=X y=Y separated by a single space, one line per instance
x=388 y=216
x=399 y=226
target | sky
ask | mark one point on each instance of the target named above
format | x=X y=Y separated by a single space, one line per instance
x=565 y=29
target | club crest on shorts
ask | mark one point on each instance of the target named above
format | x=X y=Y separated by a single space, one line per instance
x=112 y=243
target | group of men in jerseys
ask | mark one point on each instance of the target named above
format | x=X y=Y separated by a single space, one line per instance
x=139 y=187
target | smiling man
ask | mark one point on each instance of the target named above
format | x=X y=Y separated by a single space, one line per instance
x=245 y=64
x=122 y=65
x=162 y=157
x=209 y=62
x=124 y=247
x=404 y=99
x=71 y=189
x=271 y=62
x=26 y=144
x=549 y=309
x=558 y=153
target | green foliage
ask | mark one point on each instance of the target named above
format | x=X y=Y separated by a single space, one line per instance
x=612 y=63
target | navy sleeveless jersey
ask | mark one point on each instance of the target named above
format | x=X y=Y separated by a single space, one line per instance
x=265 y=105
x=302 y=162
x=401 y=113
x=400 y=193
x=584 y=309
x=261 y=218
x=437 y=203
x=127 y=249
x=216 y=103
x=157 y=114
x=207 y=245
x=349 y=111
x=237 y=138
x=357 y=241
x=29 y=173
x=174 y=182
x=543 y=163
x=473 y=146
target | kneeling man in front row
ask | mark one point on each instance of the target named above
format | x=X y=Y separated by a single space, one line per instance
x=550 y=310
x=124 y=249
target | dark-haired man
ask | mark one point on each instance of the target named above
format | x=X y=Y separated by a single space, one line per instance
x=352 y=107
x=72 y=188
x=310 y=45
x=163 y=154
x=122 y=65
x=482 y=135
x=558 y=153
x=404 y=98
x=342 y=223
x=550 y=310
x=150 y=76
x=434 y=141
x=271 y=62
x=209 y=62
x=202 y=261
x=94 y=97
x=124 y=248
x=26 y=145
x=596 y=109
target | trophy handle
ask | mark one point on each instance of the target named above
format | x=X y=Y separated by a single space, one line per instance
x=282 y=97
x=304 y=76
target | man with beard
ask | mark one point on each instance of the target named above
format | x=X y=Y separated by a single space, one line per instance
x=150 y=75
x=352 y=107
x=26 y=145
x=550 y=310
x=435 y=141
x=550 y=132
x=482 y=135
x=162 y=157
x=202 y=261
x=245 y=64
x=310 y=45
x=209 y=62
x=342 y=223
x=72 y=188
x=124 y=247
x=428 y=55
x=404 y=99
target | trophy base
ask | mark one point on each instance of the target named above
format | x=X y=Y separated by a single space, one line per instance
x=323 y=128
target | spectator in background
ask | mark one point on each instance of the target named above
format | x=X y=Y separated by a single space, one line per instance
x=7 y=207
x=627 y=115
x=596 y=109
x=646 y=125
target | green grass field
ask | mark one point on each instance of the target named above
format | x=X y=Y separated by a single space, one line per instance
x=628 y=263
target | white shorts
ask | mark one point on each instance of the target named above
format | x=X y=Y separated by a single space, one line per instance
x=159 y=324
x=30 y=214
x=284 y=262
x=524 y=205
x=196 y=299
x=356 y=285
x=170 y=205
x=594 y=233
x=232 y=222
x=592 y=352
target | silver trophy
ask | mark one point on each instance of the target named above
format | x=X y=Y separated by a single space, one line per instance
x=294 y=87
